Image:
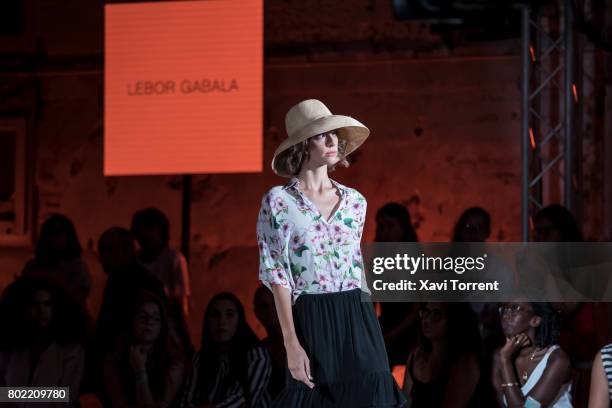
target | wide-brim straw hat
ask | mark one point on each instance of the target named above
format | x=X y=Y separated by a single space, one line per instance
x=310 y=118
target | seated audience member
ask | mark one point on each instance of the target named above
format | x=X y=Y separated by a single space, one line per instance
x=398 y=320
x=145 y=368
x=151 y=229
x=58 y=257
x=232 y=368
x=42 y=337
x=531 y=370
x=117 y=254
x=443 y=368
x=265 y=310
x=600 y=395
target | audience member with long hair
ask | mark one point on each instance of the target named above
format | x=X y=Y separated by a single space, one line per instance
x=43 y=333
x=58 y=256
x=443 y=368
x=145 y=367
x=531 y=370
x=232 y=368
x=398 y=320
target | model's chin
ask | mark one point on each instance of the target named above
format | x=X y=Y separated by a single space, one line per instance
x=331 y=160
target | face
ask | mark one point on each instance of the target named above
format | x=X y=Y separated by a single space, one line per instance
x=223 y=320
x=546 y=231
x=147 y=323
x=433 y=320
x=517 y=317
x=40 y=310
x=388 y=229
x=324 y=149
x=474 y=229
x=115 y=254
x=59 y=240
x=151 y=238
x=265 y=309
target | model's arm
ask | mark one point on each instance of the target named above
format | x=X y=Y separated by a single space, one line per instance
x=297 y=360
x=599 y=396
x=274 y=273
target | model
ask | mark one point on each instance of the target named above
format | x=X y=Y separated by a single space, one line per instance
x=309 y=233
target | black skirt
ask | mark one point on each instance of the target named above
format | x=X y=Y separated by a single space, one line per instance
x=349 y=366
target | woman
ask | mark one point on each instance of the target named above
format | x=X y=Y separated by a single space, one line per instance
x=309 y=233
x=145 y=368
x=473 y=225
x=581 y=336
x=232 y=369
x=43 y=332
x=59 y=257
x=531 y=370
x=397 y=319
x=443 y=369
x=600 y=395
x=151 y=229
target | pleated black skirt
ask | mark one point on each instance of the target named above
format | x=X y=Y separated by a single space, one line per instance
x=343 y=340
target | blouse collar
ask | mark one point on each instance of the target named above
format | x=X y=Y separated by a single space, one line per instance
x=294 y=182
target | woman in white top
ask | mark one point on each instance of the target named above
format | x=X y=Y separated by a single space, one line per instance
x=530 y=370
x=309 y=233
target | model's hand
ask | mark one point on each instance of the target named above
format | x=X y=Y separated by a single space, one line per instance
x=298 y=362
x=513 y=345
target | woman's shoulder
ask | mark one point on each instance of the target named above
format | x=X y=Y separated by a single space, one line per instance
x=272 y=193
x=607 y=349
x=353 y=193
x=558 y=356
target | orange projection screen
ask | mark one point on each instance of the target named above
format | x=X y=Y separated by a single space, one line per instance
x=183 y=87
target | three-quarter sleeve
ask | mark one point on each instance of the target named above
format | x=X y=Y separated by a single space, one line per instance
x=273 y=269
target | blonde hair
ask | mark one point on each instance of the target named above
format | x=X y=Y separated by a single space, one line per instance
x=290 y=161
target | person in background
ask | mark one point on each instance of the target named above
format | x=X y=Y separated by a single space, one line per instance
x=265 y=310
x=58 y=256
x=443 y=368
x=584 y=327
x=151 y=229
x=232 y=368
x=42 y=337
x=600 y=395
x=531 y=370
x=473 y=225
x=471 y=231
x=145 y=367
x=398 y=320
x=117 y=254
x=125 y=279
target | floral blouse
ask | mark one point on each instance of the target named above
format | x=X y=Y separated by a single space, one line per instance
x=302 y=251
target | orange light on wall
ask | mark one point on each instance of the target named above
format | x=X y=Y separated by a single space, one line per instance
x=183 y=87
x=532 y=53
x=575 y=92
x=532 y=139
